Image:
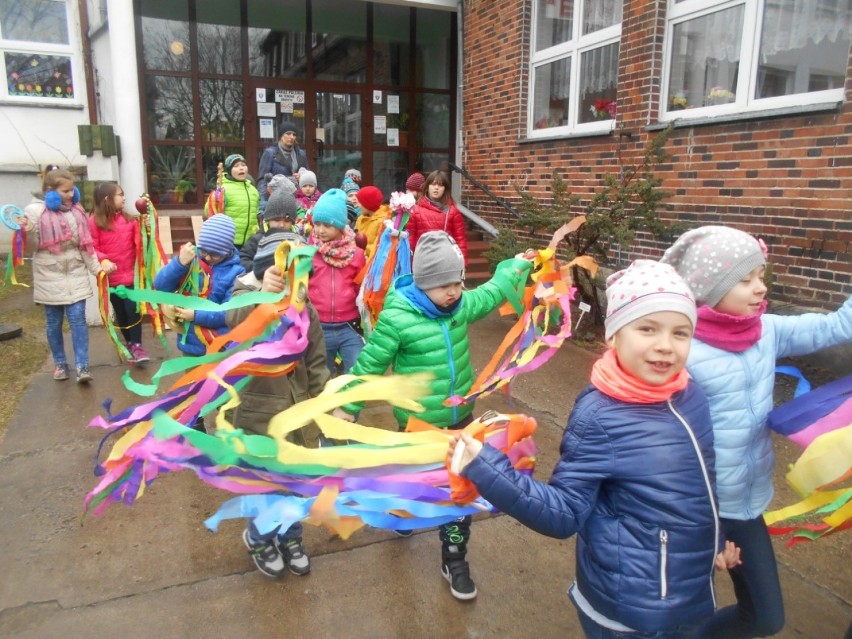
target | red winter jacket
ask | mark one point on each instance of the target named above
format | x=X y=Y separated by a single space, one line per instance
x=118 y=245
x=333 y=290
x=426 y=216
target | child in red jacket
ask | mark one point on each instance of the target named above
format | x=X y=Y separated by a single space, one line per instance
x=332 y=289
x=115 y=236
x=436 y=211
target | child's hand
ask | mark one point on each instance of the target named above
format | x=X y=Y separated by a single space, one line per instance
x=342 y=414
x=273 y=282
x=528 y=255
x=470 y=446
x=729 y=557
x=23 y=221
x=185 y=314
x=108 y=267
x=187 y=254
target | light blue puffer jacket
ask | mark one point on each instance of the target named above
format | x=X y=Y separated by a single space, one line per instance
x=739 y=387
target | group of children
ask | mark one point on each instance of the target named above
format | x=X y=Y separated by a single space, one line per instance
x=665 y=467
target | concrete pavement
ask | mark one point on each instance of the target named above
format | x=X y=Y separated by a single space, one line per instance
x=154 y=570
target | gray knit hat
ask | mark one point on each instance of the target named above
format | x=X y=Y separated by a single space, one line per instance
x=712 y=259
x=438 y=261
x=643 y=288
x=275 y=182
x=282 y=204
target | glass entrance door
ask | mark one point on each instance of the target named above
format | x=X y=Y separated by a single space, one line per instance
x=275 y=104
x=338 y=136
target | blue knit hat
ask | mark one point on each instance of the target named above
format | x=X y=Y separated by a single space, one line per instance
x=349 y=186
x=217 y=235
x=331 y=209
x=231 y=160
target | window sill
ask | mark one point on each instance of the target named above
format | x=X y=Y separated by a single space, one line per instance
x=568 y=136
x=802 y=109
x=42 y=105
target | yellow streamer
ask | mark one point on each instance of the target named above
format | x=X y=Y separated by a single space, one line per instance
x=826 y=460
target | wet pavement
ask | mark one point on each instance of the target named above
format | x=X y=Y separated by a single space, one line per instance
x=154 y=570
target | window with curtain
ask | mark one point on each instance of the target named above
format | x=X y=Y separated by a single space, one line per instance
x=574 y=66
x=36 y=50
x=724 y=57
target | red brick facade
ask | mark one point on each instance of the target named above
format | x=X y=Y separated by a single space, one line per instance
x=787 y=178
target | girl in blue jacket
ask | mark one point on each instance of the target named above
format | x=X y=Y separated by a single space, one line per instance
x=733 y=360
x=635 y=476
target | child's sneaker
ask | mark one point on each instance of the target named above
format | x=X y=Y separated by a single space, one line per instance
x=294 y=556
x=265 y=555
x=60 y=372
x=138 y=353
x=456 y=570
x=83 y=375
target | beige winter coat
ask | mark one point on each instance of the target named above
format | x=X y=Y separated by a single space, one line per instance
x=64 y=278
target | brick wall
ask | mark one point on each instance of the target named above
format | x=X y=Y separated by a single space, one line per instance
x=787 y=179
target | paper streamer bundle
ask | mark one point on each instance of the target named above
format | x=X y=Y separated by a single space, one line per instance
x=216 y=199
x=19 y=244
x=820 y=421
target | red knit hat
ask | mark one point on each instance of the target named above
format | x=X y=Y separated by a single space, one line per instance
x=370 y=198
x=415 y=182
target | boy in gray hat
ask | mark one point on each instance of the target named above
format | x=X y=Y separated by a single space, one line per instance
x=423 y=327
x=280 y=213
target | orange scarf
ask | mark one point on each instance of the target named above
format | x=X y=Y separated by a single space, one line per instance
x=610 y=378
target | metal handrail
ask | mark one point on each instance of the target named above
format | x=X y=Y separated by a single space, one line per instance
x=454 y=167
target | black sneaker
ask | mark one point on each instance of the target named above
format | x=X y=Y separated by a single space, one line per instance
x=457 y=572
x=294 y=555
x=265 y=556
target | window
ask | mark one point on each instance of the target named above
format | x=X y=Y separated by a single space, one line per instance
x=727 y=56
x=36 y=50
x=574 y=66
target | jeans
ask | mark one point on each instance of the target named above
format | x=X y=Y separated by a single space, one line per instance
x=127 y=318
x=293 y=532
x=593 y=630
x=76 y=313
x=341 y=338
x=759 y=611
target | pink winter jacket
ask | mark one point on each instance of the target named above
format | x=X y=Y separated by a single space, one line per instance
x=118 y=245
x=333 y=291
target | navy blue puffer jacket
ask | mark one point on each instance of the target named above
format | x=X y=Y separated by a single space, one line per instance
x=636 y=482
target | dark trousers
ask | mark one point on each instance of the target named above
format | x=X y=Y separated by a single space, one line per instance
x=127 y=318
x=457 y=533
x=759 y=611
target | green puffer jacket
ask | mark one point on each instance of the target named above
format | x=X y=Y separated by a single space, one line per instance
x=241 y=204
x=411 y=342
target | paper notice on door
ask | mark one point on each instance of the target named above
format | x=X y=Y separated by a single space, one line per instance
x=380 y=124
x=287 y=106
x=266 y=109
x=393 y=104
x=267 y=128
x=393 y=137
x=377 y=97
x=260 y=95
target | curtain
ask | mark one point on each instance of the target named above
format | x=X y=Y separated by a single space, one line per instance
x=789 y=24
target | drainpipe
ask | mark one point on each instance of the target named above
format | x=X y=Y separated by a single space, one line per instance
x=459 y=150
x=88 y=67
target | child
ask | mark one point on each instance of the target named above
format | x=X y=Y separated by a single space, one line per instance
x=373 y=215
x=280 y=213
x=414 y=185
x=635 y=473
x=353 y=209
x=61 y=266
x=241 y=198
x=265 y=397
x=116 y=239
x=436 y=211
x=423 y=327
x=354 y=175
x=273 y=183
x=216 y=250
x=733 y=360
x=332 y=288
x=308 y=194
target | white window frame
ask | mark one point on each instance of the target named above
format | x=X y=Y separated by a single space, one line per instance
x=71 y=50
x=680 y=12
x=574 y=48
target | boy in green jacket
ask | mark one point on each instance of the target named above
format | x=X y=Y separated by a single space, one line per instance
x=423 y=327
x=241 y=198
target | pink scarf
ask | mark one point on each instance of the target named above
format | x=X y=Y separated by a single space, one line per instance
x=610 y=378
x=338 y=253
x=53 y=230
x=732 y=333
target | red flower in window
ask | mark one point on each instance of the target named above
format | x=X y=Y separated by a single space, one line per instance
x=604 y=109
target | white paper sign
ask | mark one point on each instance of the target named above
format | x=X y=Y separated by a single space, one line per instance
x=585 y=308
x=393 y=137
x=319 y=136
x=377 y=97
x=286 y=106
x=260 y=95
x=267 y=129
x=393 y=104
x=266 y=109
x=285 y=95
x=380 y=124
